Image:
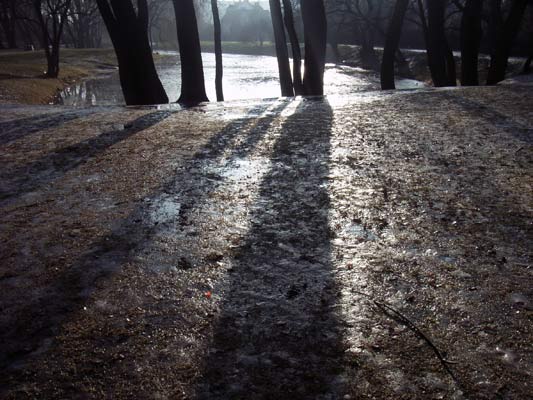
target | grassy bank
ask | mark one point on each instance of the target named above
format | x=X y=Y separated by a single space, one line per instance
x=22 y=80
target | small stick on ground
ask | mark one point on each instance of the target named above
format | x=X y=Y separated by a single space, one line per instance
x=396 y=315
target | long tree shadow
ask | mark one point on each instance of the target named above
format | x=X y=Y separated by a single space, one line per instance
x=507 y=123
x=30 y=320
x=41 y=172
x=277 y=335
x=20 y=128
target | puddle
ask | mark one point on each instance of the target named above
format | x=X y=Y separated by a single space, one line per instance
x=245 y=77
x=359 y=231
x=164 y=210
x=239 y=169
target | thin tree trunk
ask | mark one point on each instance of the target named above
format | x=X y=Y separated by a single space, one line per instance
x=471 y=34
x=218 y=51
x=8 y=22
x=423 y=20
x=335 y=49
x=436 y=43
x=282 y=53
x=315 y=36
x=192 y=71
x=392 y=42
x=295 y=46
x=504 y=42
x=495 y=24
x=44 y=34
x=451 y=70
x=526 y=69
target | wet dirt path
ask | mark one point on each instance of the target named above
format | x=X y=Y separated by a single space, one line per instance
x=242 y=251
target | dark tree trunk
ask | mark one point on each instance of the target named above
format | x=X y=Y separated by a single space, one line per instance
x=504 y=42
x=315 y=35
x=526 y=69
x=218 y=51
x=295 y=46
x=437 y=45
x=129 y=34
x=495 y=23
x=471 y=34
x=51 y=40
x=11 y=34
x=8 y=23
x=335 y=49
x=423 y=20
x=451 y=71
x=282 y=53
x=53 y=61
x=192 y=70
x=392 y=41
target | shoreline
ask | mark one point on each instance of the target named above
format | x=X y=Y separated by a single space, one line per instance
x=21 y=72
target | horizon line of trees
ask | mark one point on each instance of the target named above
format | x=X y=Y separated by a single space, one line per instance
x=503 y=23
x=477 y=25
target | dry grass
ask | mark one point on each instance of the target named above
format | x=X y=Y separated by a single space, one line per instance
x=22 y=73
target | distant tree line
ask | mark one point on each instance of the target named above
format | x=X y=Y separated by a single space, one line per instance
x=497 y=21
x=493 y=27
x=498 y=28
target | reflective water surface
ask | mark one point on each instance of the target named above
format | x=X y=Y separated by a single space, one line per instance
x=245 y=77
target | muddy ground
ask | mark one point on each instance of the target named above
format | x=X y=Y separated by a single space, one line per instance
x=375 y=246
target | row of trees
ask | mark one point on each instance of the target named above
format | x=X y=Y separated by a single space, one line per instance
x=489 y=24
x=47 y=24
x=504 y=22
x=21 y=24
x=127 y=25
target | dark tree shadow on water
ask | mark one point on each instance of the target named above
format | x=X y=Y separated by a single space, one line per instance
x=277 y=336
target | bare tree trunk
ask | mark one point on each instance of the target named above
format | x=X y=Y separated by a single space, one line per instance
x=526 y=69
x=8 y=23
x=129 y=34
x=437 y=46
x=392 y=41
x=334 y=45
x=51 y=40
x=471 y=34
x=451 y=70
x=295 y=46
x=495 y=23
x=282 y=53
x=192 y=70
x=315 y=36
x=423 y=20
x=504 y=42
x=218 y=51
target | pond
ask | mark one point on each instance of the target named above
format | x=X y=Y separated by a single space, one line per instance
x=245 y=77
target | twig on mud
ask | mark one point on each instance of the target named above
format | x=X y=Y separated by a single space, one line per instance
x=28 y=206
x=399 y=317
